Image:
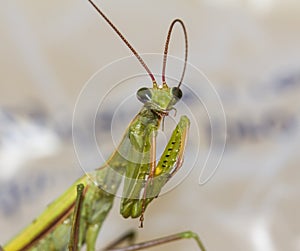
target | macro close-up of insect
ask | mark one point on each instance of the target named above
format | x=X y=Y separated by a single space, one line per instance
x=149 y=125
x=75 y=218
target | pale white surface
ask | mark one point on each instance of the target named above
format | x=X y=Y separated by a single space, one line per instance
x=249 y=50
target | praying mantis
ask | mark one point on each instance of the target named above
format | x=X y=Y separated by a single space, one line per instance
x=75 y=218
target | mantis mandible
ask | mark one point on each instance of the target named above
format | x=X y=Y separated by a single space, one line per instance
x=75 y=218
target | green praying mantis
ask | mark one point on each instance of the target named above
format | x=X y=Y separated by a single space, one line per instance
x=75 y=218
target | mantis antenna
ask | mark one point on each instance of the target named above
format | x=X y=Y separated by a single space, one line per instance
x=126 y=42
x=166 y=51
x=142 y=62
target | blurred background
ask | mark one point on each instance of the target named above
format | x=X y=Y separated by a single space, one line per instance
x=249 y=51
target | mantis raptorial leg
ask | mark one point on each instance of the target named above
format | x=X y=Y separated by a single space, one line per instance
x=75 y=218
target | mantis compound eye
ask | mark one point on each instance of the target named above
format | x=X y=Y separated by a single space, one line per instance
x=176 y=92
x=176 y=96
x=144 y=95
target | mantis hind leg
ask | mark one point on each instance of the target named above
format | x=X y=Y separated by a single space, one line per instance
x=160 y=241
x=129 y=237
x=74 y=237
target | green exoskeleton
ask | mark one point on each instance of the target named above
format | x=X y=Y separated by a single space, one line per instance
x=75 y=218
